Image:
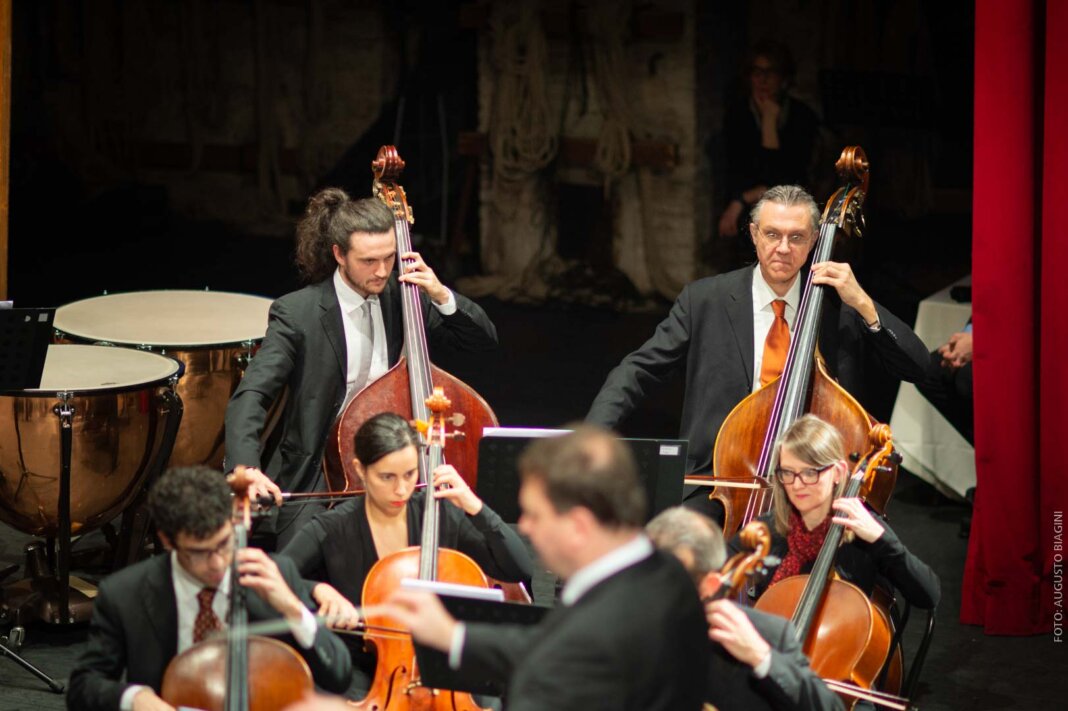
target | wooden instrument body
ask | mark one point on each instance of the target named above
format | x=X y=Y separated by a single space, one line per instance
x=847 y=636
x=740 y=442
x=852 y=635
x=391 y=393
x=396 y=685
x=196 y=678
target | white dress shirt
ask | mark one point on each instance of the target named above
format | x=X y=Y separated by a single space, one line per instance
x=356 y=342
x=764 y=316
x=605 y=567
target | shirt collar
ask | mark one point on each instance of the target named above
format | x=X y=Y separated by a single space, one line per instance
x=605 y=567
x=763 y=294
x=348 y=297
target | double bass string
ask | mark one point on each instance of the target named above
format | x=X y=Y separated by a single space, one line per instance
x=789 y=399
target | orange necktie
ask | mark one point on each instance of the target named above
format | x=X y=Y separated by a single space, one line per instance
x=776 y=345
x=207 y=621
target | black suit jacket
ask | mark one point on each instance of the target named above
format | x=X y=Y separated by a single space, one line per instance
x=709 y=331
x=635 y=641
x=305 y=349
x=134 y=632
x=790 y=684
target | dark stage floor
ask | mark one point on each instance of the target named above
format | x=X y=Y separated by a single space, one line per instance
x=552 y=361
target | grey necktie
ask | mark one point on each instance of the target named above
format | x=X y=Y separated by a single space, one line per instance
x=366 y=326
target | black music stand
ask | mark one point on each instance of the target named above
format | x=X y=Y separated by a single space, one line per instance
x=434 y=669
x=661 y=468
x=24 y=338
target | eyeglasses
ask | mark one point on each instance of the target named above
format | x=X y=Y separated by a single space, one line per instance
x=794 y=239
x=807 y=476
x=203 y=555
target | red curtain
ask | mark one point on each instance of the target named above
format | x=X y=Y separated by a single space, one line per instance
x=1020 y=315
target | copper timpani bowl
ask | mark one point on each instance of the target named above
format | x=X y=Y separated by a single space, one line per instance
x=213 y=333
x=120 y=409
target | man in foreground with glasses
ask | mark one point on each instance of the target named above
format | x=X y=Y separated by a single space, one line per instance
x=732 y=332
x=148 y=613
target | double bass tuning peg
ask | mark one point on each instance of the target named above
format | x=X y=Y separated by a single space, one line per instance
x=436 y=428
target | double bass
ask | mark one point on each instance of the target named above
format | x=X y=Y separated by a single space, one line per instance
x=405 y=388
x=397 y=685
x=743 y=456
x=240 y=672
x=847 y=636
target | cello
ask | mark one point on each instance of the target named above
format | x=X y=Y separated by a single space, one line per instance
x=240 y=672
x=397 y=685
x=847 y=636
x=742 y=459
x=405 y=388
x=753 y=560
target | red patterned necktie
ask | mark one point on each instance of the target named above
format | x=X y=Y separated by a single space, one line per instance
x=206 y=622
x=776 y=346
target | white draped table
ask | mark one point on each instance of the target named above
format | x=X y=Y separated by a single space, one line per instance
x=932 y=448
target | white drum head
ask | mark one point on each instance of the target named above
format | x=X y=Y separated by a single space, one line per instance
x=166 y=318
x=87 y=368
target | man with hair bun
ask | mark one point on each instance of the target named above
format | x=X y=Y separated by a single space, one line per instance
x=329 y=340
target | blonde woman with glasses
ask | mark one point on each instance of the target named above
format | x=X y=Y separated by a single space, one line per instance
x=810 y=474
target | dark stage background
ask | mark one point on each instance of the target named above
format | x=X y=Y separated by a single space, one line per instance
x=98 y=205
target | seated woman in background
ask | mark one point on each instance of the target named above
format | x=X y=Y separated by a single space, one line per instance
x=338 y=547
x=769 y=138
x=810 y=476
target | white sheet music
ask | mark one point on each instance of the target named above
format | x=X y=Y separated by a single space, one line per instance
x=521 y=432
x=455 y=589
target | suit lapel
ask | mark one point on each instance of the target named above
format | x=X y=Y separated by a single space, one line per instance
x=161 y=607
x=330 y=318
x=739 y=305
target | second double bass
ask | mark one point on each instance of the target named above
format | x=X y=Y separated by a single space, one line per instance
x=742 y=458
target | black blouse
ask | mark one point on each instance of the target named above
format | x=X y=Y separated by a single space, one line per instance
x=886 y=560
x=337 y=547
x=750 y=164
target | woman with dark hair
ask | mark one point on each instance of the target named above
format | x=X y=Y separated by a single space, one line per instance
x=769 y=136
x=810 y=475
x=338 y=547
